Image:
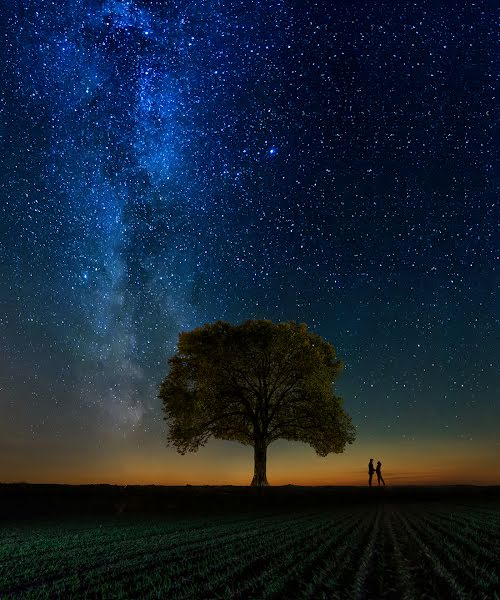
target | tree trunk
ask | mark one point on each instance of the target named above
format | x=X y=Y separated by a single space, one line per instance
x=260 y=457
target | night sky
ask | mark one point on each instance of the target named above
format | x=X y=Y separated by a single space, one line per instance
x=169 y=164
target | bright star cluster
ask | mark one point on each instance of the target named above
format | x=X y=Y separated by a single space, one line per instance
x=167 y=164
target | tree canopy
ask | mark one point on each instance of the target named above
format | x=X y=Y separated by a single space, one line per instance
x=254 y=383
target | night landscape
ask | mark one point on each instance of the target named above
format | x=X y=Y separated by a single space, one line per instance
x=249 y=311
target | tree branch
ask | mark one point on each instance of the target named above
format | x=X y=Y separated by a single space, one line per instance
x=279 y=402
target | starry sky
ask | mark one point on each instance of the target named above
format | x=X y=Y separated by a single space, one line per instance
x=168 y=164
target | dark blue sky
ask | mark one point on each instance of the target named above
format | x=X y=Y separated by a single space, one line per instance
x=166 y=165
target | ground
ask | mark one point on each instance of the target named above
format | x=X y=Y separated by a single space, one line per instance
x=230 y=542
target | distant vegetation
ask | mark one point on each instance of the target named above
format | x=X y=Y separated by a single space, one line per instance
x=255 y=383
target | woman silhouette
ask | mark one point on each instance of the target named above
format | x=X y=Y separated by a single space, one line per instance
x=379 y=473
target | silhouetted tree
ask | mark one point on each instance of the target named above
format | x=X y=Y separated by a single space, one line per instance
x=254 y=383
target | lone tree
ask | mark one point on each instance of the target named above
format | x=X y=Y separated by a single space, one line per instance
x=254 y=383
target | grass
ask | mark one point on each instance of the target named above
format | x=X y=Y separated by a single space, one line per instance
x=352 y=551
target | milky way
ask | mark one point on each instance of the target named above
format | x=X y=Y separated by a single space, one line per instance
x=169 y=164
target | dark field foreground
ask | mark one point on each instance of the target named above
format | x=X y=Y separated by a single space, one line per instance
x=239 y=543
x=22 y=500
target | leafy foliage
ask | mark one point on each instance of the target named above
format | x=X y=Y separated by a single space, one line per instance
x=254 y=383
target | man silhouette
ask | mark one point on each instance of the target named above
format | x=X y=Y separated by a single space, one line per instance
x=379 y=473
x=370 y=471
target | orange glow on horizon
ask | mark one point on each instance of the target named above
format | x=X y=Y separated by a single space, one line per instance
x=222 y=463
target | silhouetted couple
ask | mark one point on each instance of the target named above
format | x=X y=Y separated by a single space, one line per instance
x=378 y=471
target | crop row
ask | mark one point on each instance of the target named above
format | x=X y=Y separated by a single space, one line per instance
x=442 y=561
x=387 y=552
x=171 y=554
x=97 y=553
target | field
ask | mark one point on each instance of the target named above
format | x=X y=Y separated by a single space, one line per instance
x=442 y=548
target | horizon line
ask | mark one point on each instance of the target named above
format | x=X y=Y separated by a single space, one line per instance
x=177 y=485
